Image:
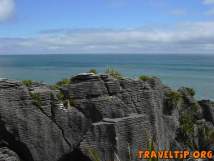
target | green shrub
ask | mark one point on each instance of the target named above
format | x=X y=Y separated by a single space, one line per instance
x=61 y=83
x=144 y=78
x=37 y=101
x=174 y=97
x=194 y=107
x=114 y=73
x=60 y=96
x=187 y=123
x=54 y=87
x=211 y=136
x=171 y=101
x=208 y=136
x=67 y=102
x=93 y=71
x=27 y=83
x=191 y=91
x=94 y=155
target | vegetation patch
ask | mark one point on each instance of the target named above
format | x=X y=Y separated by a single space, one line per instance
x=37 y=101
x=93 y=71
x=208 y=136
x=67 y=102
x=191 y=91
x=171 y=101
x=194 y=107
x=151 y=148
x=60 y=96
x=187 y=121
x=114 y=73
x=94 y=154
x=27 y=83
x=61 y=83
x=145 y=78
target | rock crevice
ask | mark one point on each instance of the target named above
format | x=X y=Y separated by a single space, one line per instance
x=108 y=119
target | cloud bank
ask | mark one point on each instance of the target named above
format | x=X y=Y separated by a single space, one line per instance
x=7 y=8
x=184 y=38
x=208 y=1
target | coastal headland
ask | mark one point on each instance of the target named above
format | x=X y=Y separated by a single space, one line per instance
x=100 y=117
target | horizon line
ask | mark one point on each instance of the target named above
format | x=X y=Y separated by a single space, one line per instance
x=106 y=54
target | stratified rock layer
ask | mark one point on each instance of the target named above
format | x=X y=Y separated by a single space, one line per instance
x=104 y=116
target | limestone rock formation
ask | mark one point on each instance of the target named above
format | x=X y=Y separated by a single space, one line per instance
x=8 y=155
x=99 y=117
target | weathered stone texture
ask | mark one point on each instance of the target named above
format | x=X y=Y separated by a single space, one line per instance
x=110 y=117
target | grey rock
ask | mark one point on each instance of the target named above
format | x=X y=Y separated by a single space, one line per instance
x=208 y=110
x=73 y=124
x=118 y=136
x=86 y=89
x=33 y=135
x=84 y=77
x=110 y=117
x=8 y=155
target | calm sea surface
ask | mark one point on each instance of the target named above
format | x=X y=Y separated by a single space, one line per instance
x=175 y=70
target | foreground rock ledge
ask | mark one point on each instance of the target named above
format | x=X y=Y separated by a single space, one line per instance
x=107 y=117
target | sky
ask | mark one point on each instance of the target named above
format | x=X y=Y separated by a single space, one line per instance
x=106 y=26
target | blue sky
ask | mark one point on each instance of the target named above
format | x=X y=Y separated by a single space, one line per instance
x=106 y=26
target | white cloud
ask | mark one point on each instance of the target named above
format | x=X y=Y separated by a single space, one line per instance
x=208 y=2
x=210 y=12
x=184 y=38
x=7 y=8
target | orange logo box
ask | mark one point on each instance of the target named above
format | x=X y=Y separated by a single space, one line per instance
x=174 y=154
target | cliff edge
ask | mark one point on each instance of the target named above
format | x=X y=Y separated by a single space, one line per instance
x=98 y=117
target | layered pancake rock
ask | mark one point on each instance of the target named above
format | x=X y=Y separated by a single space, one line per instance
x=98 y=115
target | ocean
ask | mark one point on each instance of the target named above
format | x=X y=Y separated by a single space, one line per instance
x=195 y=71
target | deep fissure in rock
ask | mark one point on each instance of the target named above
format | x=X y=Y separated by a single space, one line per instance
x=75 y=155
x=18 y=147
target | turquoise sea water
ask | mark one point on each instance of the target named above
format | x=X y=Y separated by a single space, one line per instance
x=196 y=71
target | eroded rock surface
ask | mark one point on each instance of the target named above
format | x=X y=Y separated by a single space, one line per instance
x=99 y=115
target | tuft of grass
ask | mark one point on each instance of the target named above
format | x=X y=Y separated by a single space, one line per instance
x=114 y=73
x=191 y=91
x=174 y=96
x=37 y=101
x=194 y=107
x=151 y=148
x=94 y=155
x=93 y=71
x=27 y=83
x=187 y=123
x=60 y=96
x=172 y=100
x=210 y=136
x=144 y=78
x=67 y=102
x=61 y=83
